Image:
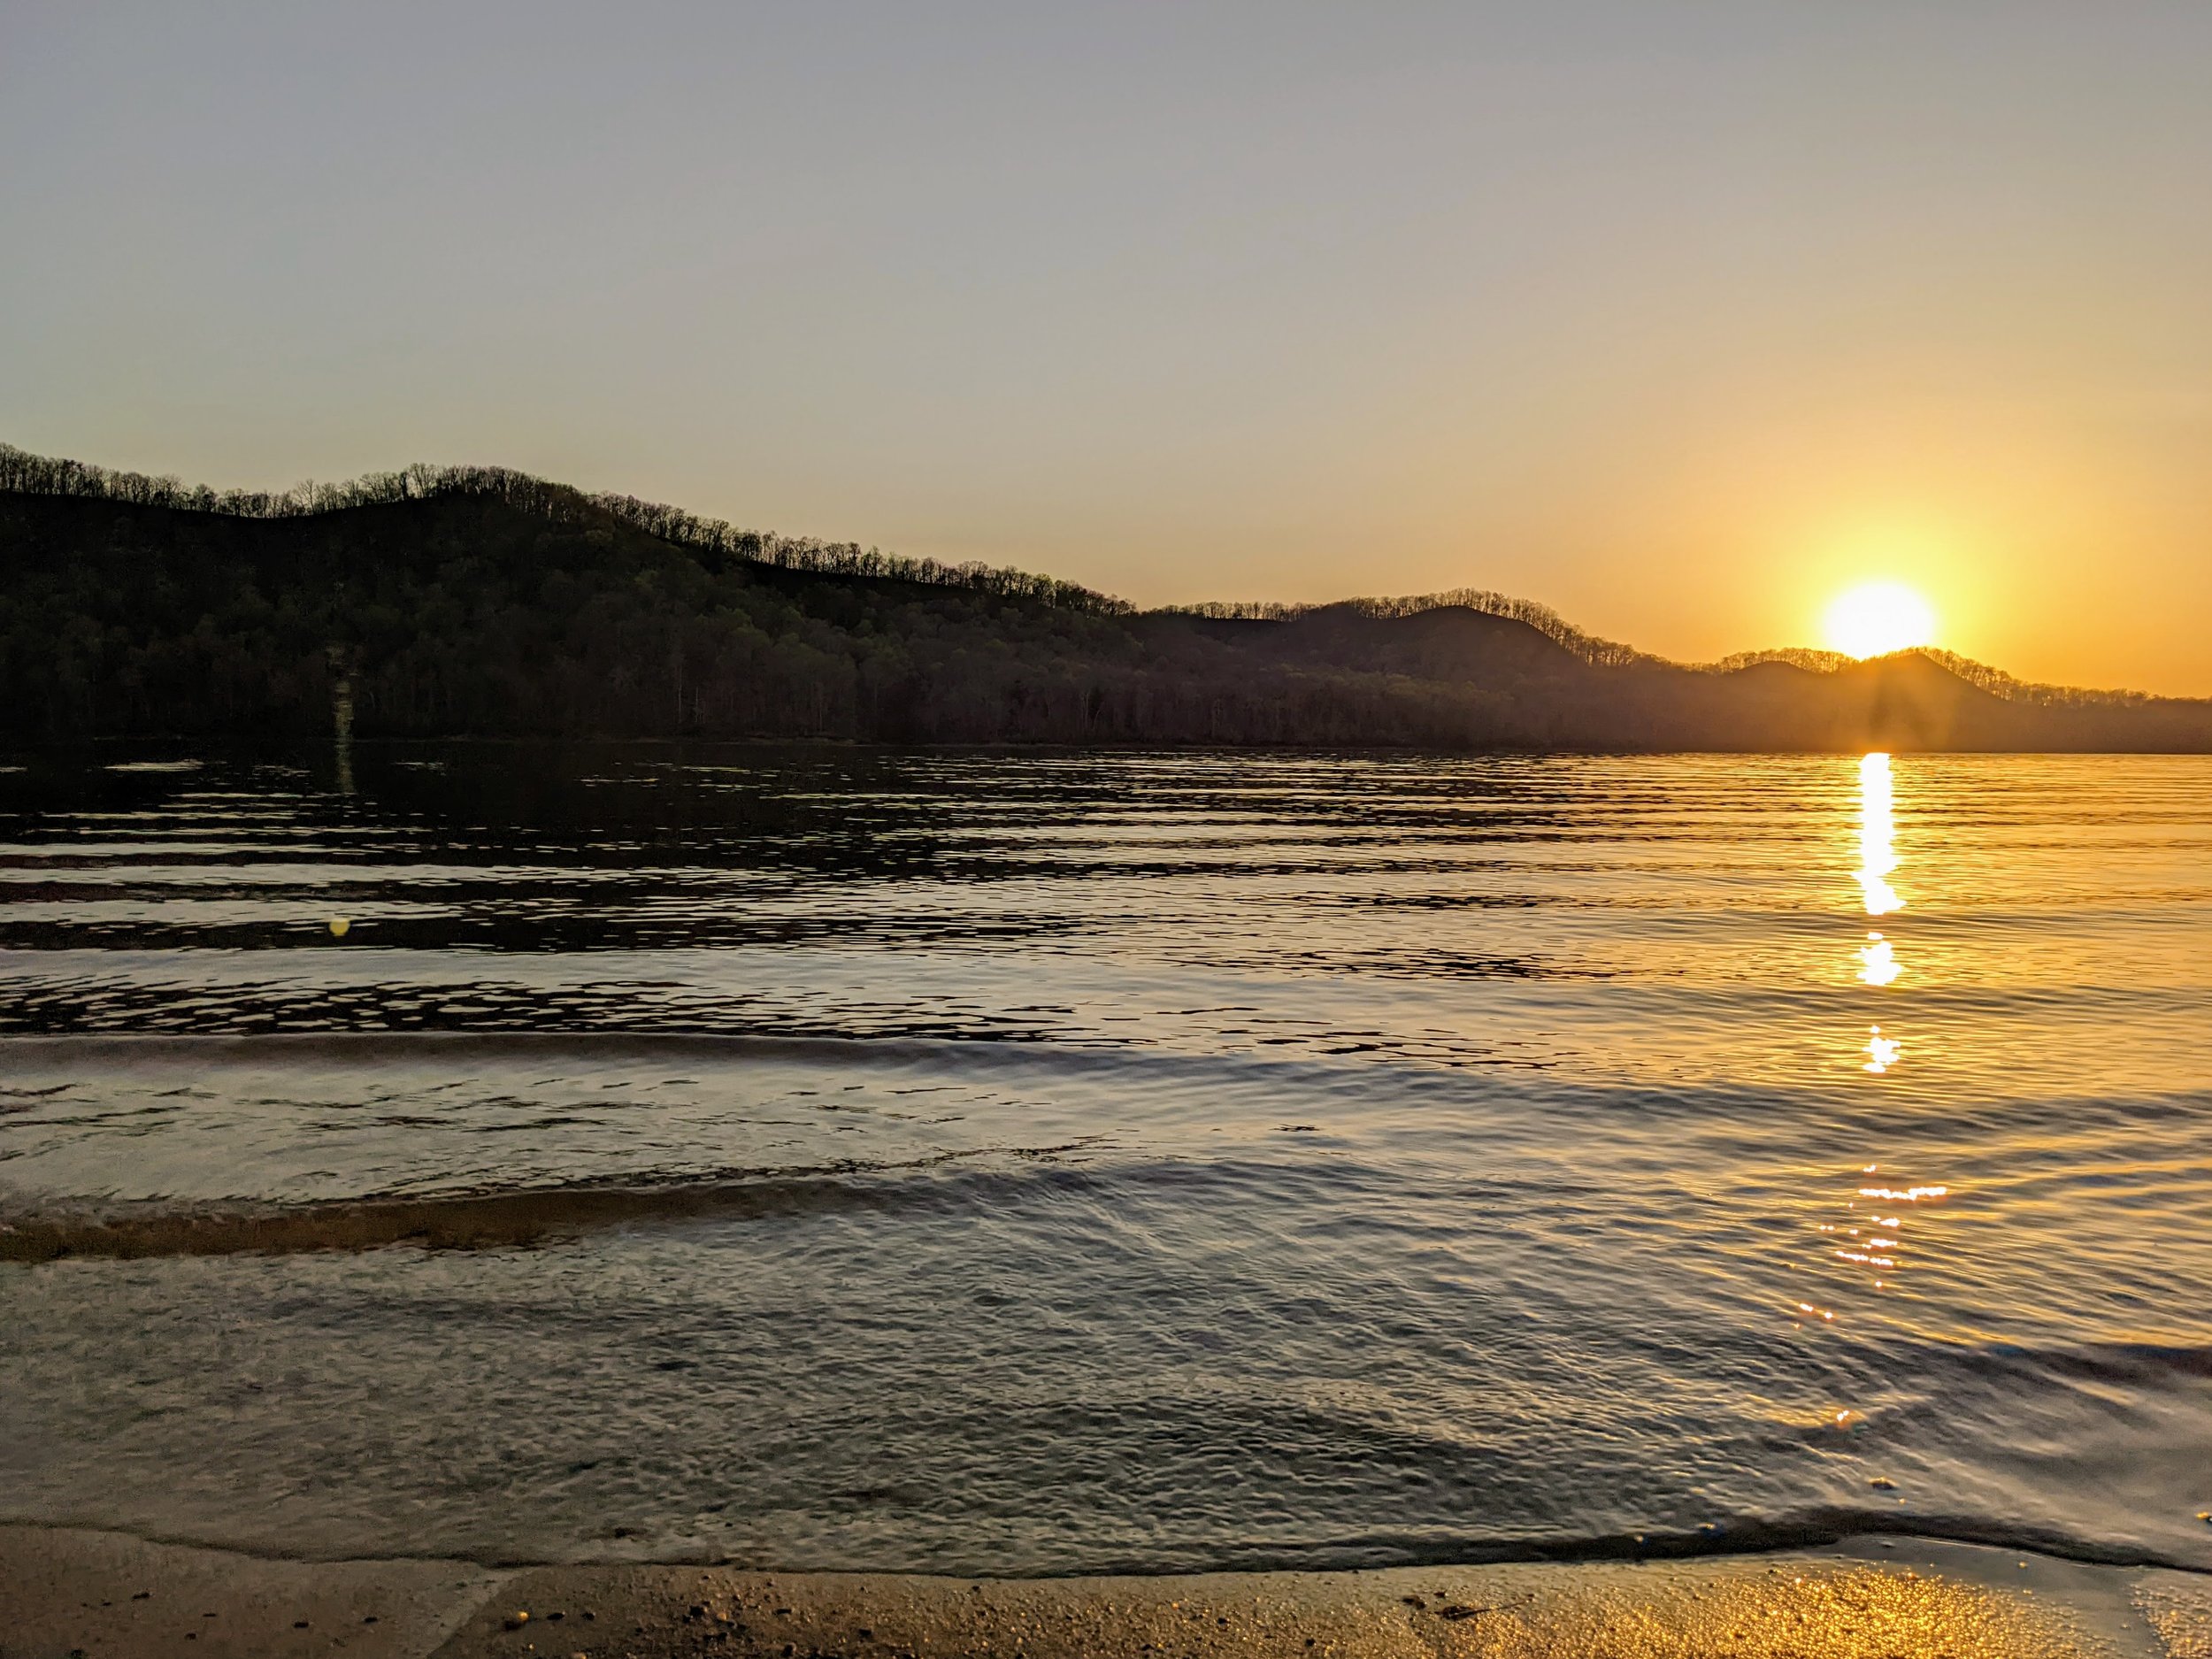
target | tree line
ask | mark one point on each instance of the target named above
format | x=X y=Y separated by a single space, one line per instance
x=25 y=474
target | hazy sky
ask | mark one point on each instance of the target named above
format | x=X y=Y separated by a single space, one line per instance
x=1677 y=316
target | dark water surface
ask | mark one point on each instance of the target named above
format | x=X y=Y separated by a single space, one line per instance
x=1043 y=1164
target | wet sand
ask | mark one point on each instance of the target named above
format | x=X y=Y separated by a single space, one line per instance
x=65 y=1591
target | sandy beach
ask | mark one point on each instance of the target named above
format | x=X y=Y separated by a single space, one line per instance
x=99 y=1595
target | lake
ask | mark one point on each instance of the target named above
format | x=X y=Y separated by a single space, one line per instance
x=1050 y=1163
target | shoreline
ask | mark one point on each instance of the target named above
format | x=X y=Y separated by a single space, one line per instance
x=108 y=1595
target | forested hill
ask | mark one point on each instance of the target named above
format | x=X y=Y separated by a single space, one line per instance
x=428 y=605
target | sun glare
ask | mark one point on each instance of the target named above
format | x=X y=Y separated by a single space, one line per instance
x=1878 y=618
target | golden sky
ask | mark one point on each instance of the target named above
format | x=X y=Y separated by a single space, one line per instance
x=1677 y=316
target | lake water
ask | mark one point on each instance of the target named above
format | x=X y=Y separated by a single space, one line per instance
x=1047 y=1163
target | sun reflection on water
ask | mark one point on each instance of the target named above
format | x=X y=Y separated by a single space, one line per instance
x=1877 y=1240
x=1878 y=961
x=1881 y=1052
x=1878 y=836
x=1868 y=1238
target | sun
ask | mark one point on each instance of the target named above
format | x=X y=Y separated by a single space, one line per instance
x=1876 y=618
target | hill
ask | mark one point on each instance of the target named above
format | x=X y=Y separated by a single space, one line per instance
x=434 y=604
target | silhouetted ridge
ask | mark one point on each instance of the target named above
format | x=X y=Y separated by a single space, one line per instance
x=42 y=475
x=1993 y=680
x=1811 y=661
x=1543 y=618
x=438 y=602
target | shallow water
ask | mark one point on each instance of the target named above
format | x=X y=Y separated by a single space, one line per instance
x=1057 y=1162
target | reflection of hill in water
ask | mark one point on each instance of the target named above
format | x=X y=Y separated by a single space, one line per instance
x=483 y=602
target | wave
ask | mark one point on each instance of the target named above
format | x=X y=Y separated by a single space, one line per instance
x=257 y=1049
x=1741 y=1535
x=1345 y=1069
x=951 y=1181
x=518 y=1217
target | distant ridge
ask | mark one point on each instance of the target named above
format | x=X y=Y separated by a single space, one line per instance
x=1543 y=618
x=447 y=601
x=1993 y=680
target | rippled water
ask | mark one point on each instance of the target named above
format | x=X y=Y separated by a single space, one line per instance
x=1035 y=1164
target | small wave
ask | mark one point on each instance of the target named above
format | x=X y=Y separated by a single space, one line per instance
x=258 y=1048
x=520 y=1216
x=1742 y=1535
x=2128 y=1365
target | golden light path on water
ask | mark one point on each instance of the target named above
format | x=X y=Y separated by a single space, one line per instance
x=1870 y=1235
x=1877 y=835
x=1877 y=861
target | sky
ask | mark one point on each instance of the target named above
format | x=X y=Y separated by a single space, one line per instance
x=1679 y=318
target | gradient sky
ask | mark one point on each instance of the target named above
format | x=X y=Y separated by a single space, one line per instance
x=1677 y=317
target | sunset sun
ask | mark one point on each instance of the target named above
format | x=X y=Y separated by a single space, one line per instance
x=1876 y=618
